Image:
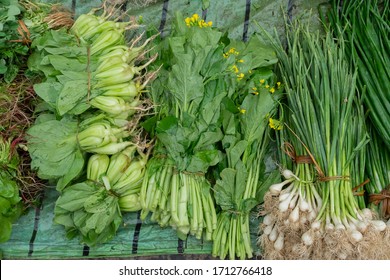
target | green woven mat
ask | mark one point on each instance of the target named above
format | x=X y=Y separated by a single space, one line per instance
x=34 y=234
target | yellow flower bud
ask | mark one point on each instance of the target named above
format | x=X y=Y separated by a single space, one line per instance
x=275 y=124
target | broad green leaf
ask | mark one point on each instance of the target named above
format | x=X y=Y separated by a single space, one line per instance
x=211 y=111
x=184 y=84
x=259 y=54
x=5 y=229
x=73 y=197
x=52 y=146
x=71 y=95
x=62 y=63
x=208 y=138
x=236 y=151
x=224 y=189
x=5 y=205
x=8 y=186
x=248 y=204
x=254 y=121
x=202 y=160
x=48 y=91
x=74 y=171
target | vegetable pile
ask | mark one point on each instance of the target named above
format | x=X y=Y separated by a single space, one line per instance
x=211 y=132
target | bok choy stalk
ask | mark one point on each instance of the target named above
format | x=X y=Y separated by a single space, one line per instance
x=93 y=209
x=325 y=116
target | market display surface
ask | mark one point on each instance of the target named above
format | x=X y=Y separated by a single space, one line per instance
x=194 y=129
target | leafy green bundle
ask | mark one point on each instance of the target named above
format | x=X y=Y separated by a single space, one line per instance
x=10 y=201
x=188 y=93
x=11 y=51
x=246 y=142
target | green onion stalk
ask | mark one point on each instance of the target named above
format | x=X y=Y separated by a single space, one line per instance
x=328 y=120
x=365 y=27
x=378 y=166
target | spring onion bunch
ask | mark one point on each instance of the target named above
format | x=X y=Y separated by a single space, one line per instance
x=326 y=119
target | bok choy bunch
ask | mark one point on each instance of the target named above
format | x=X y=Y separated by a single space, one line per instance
x=93 y=208
x=91 y=93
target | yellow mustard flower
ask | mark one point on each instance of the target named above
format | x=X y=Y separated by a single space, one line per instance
x=210 y=23
x=272 y=90
x=195 y=17
x=262 y=81
x=275 y=124
x=278 y=84
x=240 y=60
x=232 y=50
x=254 y=88
x=255 y=93
x=225 y=55
x=235 y=69
x=242 y=111
x=240 y=76
x=266 y=86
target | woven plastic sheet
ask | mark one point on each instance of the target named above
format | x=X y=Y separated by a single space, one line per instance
x=36 y=236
